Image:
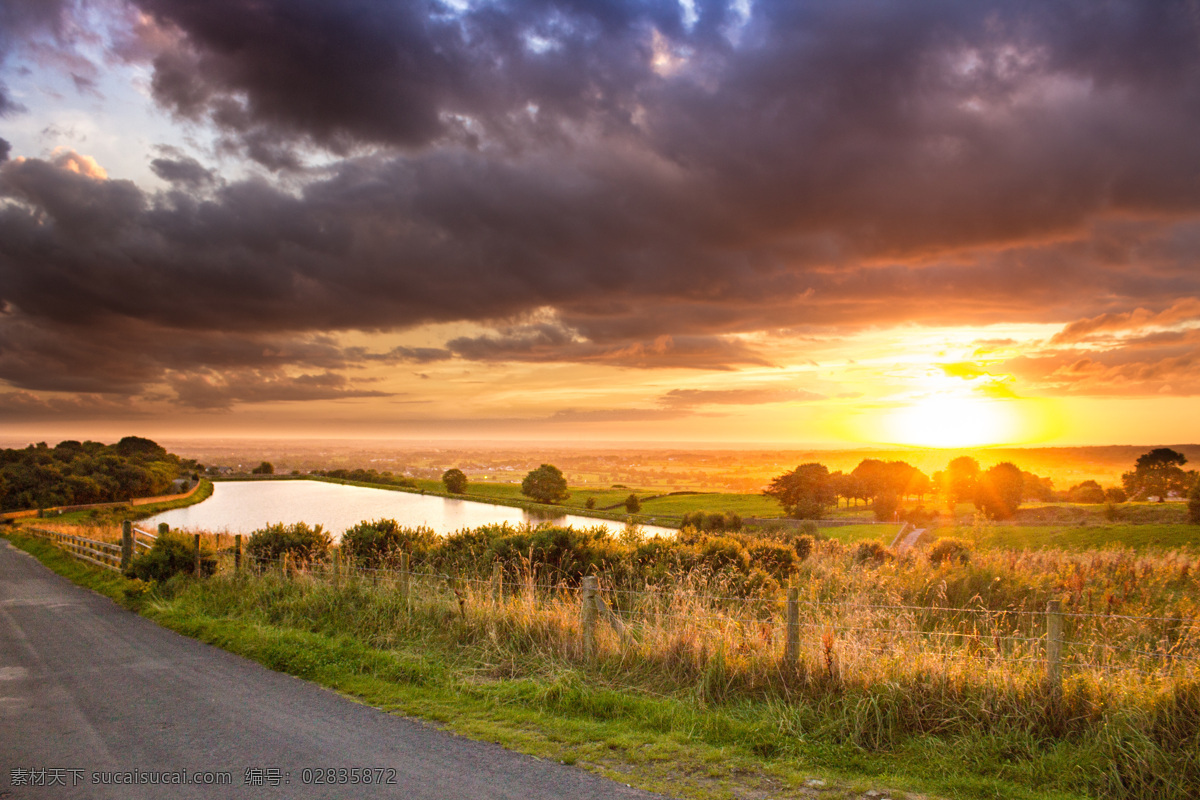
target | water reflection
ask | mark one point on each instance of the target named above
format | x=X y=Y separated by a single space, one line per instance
x=242 y=507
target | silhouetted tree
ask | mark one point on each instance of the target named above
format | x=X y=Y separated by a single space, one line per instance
x=998 y=491
x=1157 y=474
x=265 y=468
x=632 y=504
x=804 y=492
x=959 y=479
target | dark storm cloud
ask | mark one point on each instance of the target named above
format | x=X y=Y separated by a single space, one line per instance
x=5 y=149
x=187 y=171
x=208 y=389
x=648 y=187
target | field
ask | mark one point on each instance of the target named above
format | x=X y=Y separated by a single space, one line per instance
x=920 y=673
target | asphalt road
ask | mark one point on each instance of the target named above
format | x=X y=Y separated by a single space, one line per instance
x=88 y=688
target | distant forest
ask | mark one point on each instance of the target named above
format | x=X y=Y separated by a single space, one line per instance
x=78 y=473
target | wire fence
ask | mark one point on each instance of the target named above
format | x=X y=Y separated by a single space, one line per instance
x=855 y=634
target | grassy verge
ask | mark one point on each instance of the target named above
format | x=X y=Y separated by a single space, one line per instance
x=114 y=515
x=497 y=678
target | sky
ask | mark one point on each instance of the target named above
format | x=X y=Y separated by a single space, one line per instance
x=835 y=223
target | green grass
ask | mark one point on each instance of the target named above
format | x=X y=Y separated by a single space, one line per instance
x=116 y=514
x=687 y=742
x=1084 y=537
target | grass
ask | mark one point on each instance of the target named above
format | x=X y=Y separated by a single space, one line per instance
x=114 y=516
x=698 y=703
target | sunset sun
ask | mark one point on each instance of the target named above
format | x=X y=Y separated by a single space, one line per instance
x=954 y=421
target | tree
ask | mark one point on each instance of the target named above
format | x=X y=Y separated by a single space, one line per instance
x=804 y=492
x=1115 y=494
x=1194 y=504
x=959 y=480
x=998 y=491
x=1086 y=492
x=545 y=484
x=455 y=480
x=1157 y=474
x=265 y=468
x=632 y=504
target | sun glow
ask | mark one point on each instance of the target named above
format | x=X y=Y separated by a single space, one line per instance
x=955 y=421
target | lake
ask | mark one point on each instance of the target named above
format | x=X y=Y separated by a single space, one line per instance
x=243 y=507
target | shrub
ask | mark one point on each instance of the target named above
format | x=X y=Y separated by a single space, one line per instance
x=1086 y=492
x=298 y=540
x=590 y=503
x=632 y=504
x=804 y=545
x=1194 y=503
x=773 y=557
x=871 y=552
x=172 y=554
x=722 y=552
x=1115 y=494
x=380 y=542
x=949 y=551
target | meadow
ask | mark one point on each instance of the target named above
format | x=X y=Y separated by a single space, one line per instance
x=927 y=669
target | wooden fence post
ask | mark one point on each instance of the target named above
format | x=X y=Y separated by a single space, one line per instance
x=497 y=583
x=405 y=585
x=792 y=650
x=197 y=553
x=163 y=529
x=1054 y=642
x=337 y=567
x=587 y=615
x=126 y=545
x=237 y=552
x=284 y=563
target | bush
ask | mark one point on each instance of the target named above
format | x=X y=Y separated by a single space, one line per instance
x=804 y=545
x=775 y=558
x=172 y=554
x=379 y=543
x=1194 y=503
x=949 y=551
x=715 y=522
x=590 y=503
x=721 y=552
x=1086 y=492
x=302 y=543
x=1115 y=494
x=871 y=552
x=632 y=504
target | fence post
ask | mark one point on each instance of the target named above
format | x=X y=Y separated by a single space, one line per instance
x=792 y=649
x=163 y=529
x=587 y=615
x=197 y=552
x=126 y=545
x=404 y=584
x=337 y=567
x=497 y=583
x=1054 y=641
x=284 y=563
x=237 y=552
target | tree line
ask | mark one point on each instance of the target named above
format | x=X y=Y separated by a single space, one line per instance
x=81 y=473
x=998 y=491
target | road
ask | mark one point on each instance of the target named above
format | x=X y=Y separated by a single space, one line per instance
x=88 y=688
